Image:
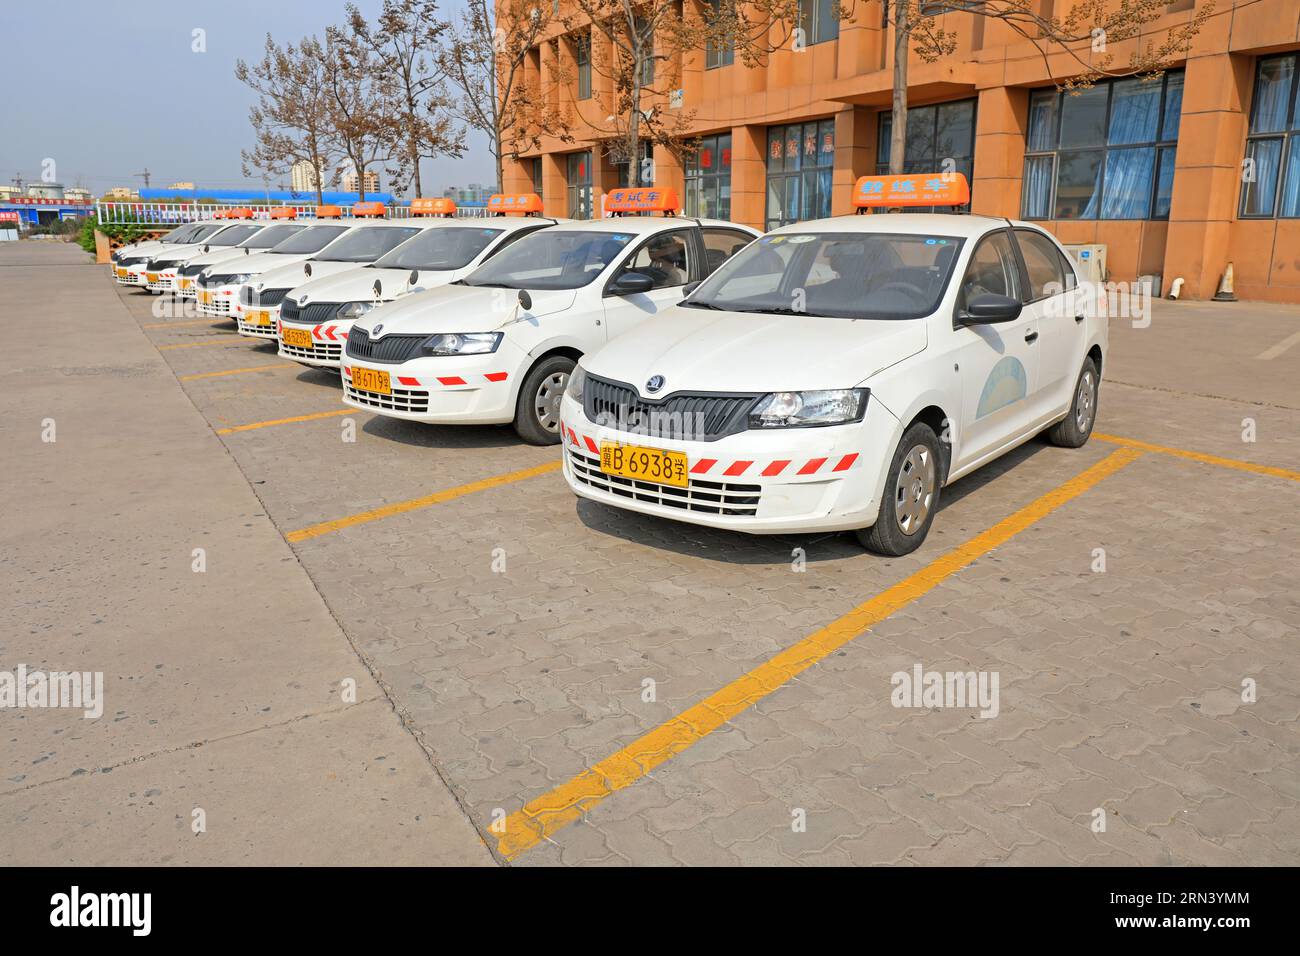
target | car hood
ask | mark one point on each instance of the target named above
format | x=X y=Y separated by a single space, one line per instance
x=464 y=308
x=292 y=275
x=260 y=262
x=224 y=254
x=357 y=284
x=698 y=350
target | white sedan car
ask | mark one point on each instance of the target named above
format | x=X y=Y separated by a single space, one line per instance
x=316 y=317
x=183 y=273
x=836 y=374
x=246 y=288
x=129 y=262
x=498 y=345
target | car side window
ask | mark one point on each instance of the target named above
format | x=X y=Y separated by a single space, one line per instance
x=992 y=270
x=1042 y=263
x=721 y=244
x=666 y=258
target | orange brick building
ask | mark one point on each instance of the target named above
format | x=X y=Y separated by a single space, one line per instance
x=1178 y=177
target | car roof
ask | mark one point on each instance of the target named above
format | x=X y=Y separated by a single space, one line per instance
x=906 y=223
x=642 y=225
x=504 y=223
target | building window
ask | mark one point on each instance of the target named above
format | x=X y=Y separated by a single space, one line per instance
x=1271 y=174
x=642 y=28
x=800 y=162
x=582 y=57
x=718 y=55
x=940 y=139
x=579 y=185
x=708 y=178
x=1103 y=153
x=537 y=175
x=819 y=20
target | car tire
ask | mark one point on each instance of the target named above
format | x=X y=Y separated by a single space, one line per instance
x=537 y=411
x=1074 y=430
x=911 y=496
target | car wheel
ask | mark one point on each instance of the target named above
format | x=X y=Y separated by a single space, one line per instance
x=1073 y=430
x=537 y=414
x=911 y=495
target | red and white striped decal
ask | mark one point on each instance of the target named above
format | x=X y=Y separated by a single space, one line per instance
x=326 y=333
x=740 y=467
x=447 y=381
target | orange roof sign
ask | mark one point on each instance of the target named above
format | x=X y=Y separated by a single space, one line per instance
x=329 y=212
x=241 y=212
x=647 y=199
x=365 y=209
x=284 y=212
x=527 y=203
x=433 y=207
x=924 y=189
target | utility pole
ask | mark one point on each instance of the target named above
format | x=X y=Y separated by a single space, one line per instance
x=145 y=176
x=17 y=181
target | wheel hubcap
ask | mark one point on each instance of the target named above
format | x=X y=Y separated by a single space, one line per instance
x=1083 y=402
x=546 y=403
x=914 y=490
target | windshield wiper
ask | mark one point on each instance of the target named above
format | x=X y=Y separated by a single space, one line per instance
x=701 y=305
x=784 y=310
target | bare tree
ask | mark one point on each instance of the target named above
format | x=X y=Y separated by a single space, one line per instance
x=291 y=121
x=364 y=105
x=405 y=42
x=1088 y=35
x=485 y=58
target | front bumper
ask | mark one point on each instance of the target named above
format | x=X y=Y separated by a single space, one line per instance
x=760 y=482
x=328 y=339
x=453 y=390
x=130 y=275
x=220 y=300
x=164 y=281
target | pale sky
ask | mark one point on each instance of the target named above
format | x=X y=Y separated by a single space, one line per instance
x=67 y=64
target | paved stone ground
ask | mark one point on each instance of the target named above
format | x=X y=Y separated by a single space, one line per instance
x=1120 y=690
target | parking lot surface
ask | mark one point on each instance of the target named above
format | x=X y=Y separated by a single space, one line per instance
x=543 y=680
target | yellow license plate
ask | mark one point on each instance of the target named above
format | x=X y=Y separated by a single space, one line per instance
x=183 y=283
x=151 y=276
x=299 y=338
x=644 y=464
x=371 y=380
x=205 y=298
x=121 y=273
x=259 y=318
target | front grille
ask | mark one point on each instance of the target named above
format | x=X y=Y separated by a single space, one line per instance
x=681 y=416
x=413 y=400
x=313 y=314
x=266 y=331
x=248 y=296
x=220 y=305
x=320 y=351
x=189 y=271
x=158 y=265
x=132 y=261
x=702 y=497
x=389 y=348
x=214 y=281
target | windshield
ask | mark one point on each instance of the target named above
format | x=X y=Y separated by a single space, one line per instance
x=269 y=236
x=179 y=234
x=840 y=275
x=367 y=243
x=311 y=239
x=551 y=260
x=200 y=233
x=449 y=247
x=233 y=235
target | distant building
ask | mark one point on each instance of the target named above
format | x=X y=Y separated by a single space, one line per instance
x=181 y=185
x=121 y=192
x=77 y=192
x=474 y=194
x=351 y=182
x=45 y=190
x=304 y=177
x=7 y=191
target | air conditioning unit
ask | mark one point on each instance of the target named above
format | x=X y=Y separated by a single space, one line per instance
x=1091 y=261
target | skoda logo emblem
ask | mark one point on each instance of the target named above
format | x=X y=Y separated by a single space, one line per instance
x=377 y=329
x=655 y=383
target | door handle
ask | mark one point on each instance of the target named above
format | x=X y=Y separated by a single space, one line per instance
x=1079 y=318
x=1031 y=336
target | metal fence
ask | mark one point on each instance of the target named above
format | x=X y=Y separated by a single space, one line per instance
x=163 y=215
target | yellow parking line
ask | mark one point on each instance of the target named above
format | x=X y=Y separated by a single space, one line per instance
x=1201 y=457
x=198 y=345
x=543 y=815
x=237 y=371
x=437 y=498
x=284 y=421
x=213 y=320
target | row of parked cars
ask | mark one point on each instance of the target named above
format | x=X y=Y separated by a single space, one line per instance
x=828 y=375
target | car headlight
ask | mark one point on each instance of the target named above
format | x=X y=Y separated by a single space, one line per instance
x=354 y=310
x=461 y=343
x=577 y=379
x=834 y=406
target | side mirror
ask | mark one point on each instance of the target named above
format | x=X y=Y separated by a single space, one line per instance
x=378 y=289
x=414 y=277
x=632 y=283
x=990 y=309
x=525 y=300
x=690 y=287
